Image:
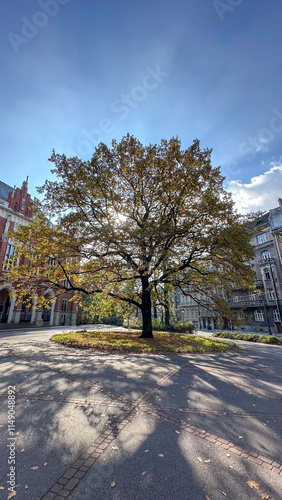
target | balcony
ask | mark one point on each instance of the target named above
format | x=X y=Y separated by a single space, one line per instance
x=259 y=283
x=244 y=302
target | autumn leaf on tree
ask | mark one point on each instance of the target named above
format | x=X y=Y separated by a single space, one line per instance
x=132 y=225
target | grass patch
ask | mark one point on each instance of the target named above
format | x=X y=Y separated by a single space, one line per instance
x=250 y=337
x=129 y=341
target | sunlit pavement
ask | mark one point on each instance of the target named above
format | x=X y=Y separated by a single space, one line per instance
x=92 y=425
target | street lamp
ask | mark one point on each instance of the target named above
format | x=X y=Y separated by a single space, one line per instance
x=182 y=311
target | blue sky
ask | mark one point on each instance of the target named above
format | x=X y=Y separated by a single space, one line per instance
x=75 y=73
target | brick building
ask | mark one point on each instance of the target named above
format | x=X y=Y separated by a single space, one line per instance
x=14 y=211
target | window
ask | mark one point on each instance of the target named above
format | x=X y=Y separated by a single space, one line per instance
x=266 y=273
x=10 y=258
x=261 y=238
x=276 y=316
x=51 y=261
x=265 y=255
x=258 y=315
x=66 y=284
x=236 y=298
x=271 y=294
x=64 y=305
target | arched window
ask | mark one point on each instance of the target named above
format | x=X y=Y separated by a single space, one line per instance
x=265 y=255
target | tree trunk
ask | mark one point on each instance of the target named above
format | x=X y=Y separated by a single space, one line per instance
x=167 y=311
x=167 y=316
x=147 y=331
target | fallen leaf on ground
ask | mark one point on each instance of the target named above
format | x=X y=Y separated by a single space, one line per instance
x=34 y=468
x=113 y=484
x=26 y=487
x=223 y=493
x=265 y=496
x=22 y=450
x=177 y=432
x=12 y=495
x=2 y=487
x=241 y=437
x=207 y=461
x=45 y=463
x=143 y=473
x=146 y=451
x=253 y=484
x=207 y=498
x=228 y=455
x=199 y=458
x=160 y=455
x=115 y=448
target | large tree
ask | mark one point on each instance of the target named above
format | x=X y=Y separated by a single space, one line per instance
x=132 y=222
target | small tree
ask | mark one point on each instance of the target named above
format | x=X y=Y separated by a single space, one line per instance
x=134 y=219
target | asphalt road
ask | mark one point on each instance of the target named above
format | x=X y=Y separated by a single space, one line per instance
x=166 y=419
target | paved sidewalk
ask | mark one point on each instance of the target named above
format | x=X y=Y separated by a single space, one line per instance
x=121 y=427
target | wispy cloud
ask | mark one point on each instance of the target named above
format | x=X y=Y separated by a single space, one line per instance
x=261 y=193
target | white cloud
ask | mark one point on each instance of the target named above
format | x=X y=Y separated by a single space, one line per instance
x=261 y=193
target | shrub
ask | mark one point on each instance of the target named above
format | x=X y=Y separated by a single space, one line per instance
x=274 y=340
x=184 y=327
x=250 y=337
x=158 y=325
x=133 y=323
x=111 y=320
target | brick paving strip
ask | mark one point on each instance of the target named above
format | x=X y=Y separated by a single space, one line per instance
x=246 y=453
x=96 y=402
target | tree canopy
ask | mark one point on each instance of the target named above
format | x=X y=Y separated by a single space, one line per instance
x=134 y=223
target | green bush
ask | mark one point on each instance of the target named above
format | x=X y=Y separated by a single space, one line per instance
x=133 y=323
x=184 y=327
x=274 y=340
x=111 y=320
x=158 y=325
x=250 y=337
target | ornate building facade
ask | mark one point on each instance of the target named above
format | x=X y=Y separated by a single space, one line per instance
x=262 y=310
x=14 y=211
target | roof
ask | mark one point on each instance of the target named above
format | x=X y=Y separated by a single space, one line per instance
x=5 y=190
x=261 y=221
